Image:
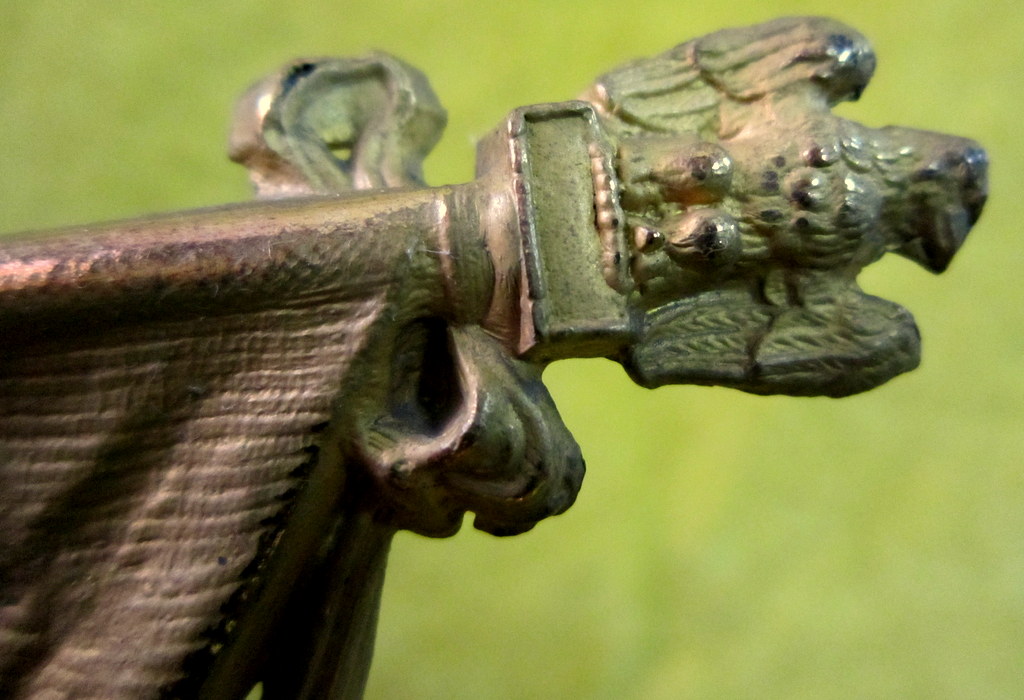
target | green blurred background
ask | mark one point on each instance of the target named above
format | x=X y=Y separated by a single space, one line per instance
x=724 y=546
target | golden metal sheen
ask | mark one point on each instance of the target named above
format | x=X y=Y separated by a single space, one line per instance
x=212 y=422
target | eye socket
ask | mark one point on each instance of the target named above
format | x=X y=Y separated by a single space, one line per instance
x=821 y=155
x=675 y=170
x=808 y=189
x=701 y=175
x=929 y=173
x=704 y=236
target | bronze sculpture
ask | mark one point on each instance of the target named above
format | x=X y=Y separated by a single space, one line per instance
x=215 y=370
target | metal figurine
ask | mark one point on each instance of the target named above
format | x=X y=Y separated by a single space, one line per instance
x=212 y=422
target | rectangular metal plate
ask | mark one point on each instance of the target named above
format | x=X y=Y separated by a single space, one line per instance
x=566 y=300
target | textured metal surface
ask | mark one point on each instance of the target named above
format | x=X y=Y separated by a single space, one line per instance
x=213 y=422
x=150 y=475
x=753 y=208
x=151 y=463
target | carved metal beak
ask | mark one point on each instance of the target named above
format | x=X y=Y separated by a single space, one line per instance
x=946 y=200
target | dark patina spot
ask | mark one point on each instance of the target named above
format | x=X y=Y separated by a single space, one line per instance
x=701 y=167
x=803 y=198
x=817 y=157
x=295 y=74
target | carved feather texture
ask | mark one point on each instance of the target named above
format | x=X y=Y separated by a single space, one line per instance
x=682 y=90
x=800 y=350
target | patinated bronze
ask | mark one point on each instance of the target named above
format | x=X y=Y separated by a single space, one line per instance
x=212 y=422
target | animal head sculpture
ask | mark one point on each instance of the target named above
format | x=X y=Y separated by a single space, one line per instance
x=212 y=422
x=700 y=216
x=751 y=208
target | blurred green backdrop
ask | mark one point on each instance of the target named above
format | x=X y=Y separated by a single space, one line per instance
x=724 y=546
